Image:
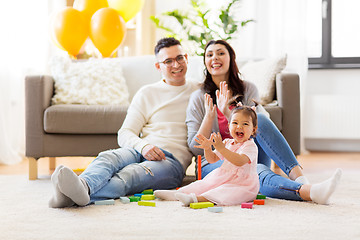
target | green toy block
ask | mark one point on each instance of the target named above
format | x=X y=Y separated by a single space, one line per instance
x=105 y=202
x=147 y=203
x=148 y=191
x=201 y=205
x=260 y=196
x=147 y=197
x=134 y=199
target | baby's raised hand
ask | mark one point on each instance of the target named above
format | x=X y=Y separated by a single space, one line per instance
x=203 y=142
x=217 y=141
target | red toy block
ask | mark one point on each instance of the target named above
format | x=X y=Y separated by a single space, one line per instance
x=247 y=205
x=199 y=166
x=259 y=202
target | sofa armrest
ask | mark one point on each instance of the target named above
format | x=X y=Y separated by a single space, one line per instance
x=288 y=96
x=38 y=93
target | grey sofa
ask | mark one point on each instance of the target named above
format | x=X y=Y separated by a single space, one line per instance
x=85 y=130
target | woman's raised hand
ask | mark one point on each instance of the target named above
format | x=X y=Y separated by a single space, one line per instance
x=222 y=99
x=210 y=108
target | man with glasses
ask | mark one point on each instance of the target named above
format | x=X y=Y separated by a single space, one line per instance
x=157 y=159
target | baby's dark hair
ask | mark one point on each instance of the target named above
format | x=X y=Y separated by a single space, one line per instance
x=165 y=43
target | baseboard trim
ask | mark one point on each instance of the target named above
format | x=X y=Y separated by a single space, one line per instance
x=332 y=145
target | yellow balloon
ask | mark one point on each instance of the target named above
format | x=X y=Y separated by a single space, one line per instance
x=107 y=30
x=52 y=32
x=89 y=7
x=69 y=30
x=126 y=8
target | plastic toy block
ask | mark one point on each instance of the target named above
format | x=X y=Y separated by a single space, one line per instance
x=138 y=195
x=259 y=202
x=148 y=191
x=79 y=169
x=134 y=199
x=247 y=205
x=146 y=203
x=215 y=209
x=201 y=205
x=105 y=202
x=147 y=197
x=124 y=200
x=260 y=196
x=199 y=167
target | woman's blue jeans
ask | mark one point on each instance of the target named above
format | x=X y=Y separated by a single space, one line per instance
x=271 y=145
x=124 y=171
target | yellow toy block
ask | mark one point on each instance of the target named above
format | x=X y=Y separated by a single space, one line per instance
x=148 y=191
x=147 y=197
x=146 y=203
x=201 y=205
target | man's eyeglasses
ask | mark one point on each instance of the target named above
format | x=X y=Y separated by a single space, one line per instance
x=170 y=61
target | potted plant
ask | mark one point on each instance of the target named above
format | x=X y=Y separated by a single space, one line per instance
x=196 y=28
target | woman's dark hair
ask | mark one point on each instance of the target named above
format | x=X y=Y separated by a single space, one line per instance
x=235 y=83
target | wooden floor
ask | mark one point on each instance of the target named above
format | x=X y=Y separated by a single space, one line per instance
x=315 y=161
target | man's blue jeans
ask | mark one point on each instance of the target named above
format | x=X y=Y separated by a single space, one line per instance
x=124 y=171
x=272 y=145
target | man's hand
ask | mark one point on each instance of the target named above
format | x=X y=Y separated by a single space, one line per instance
x=153 y=153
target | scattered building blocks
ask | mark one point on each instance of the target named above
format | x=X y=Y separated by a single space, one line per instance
x=138 y=195
x=148 y=191
x=260 y=196
x=215 y=209
x=124 y=200
x=247 y=205
x=105 y=202
x=201 y=205
x=259 y=202
x=134 y=199
x=147 y=203
x=147 y=197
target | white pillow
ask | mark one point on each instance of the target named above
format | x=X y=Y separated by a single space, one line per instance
x=262 y=74
x=93 y=81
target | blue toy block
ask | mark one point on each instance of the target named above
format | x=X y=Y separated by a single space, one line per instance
x=124 y=200
x=105 y=202
x=215 y=209
x=138 y=195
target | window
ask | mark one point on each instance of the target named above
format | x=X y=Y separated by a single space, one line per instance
x=333 y=38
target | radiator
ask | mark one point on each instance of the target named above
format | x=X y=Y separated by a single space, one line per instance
x=332 y=123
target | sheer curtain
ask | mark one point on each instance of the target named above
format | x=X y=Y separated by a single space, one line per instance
x=24 y=50
x=279 y=28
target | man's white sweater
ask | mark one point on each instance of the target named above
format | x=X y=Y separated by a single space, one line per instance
x=157 y=114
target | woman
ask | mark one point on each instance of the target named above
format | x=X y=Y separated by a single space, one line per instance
x=207 y=113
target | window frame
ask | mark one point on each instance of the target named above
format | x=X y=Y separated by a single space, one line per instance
x=327 y=61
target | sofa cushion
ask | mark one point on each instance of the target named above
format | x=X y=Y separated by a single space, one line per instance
x=262 y=74
x=84 y=119
x=275 y=114
x=92 y=81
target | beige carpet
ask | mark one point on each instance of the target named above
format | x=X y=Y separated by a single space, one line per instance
x=24 y=215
